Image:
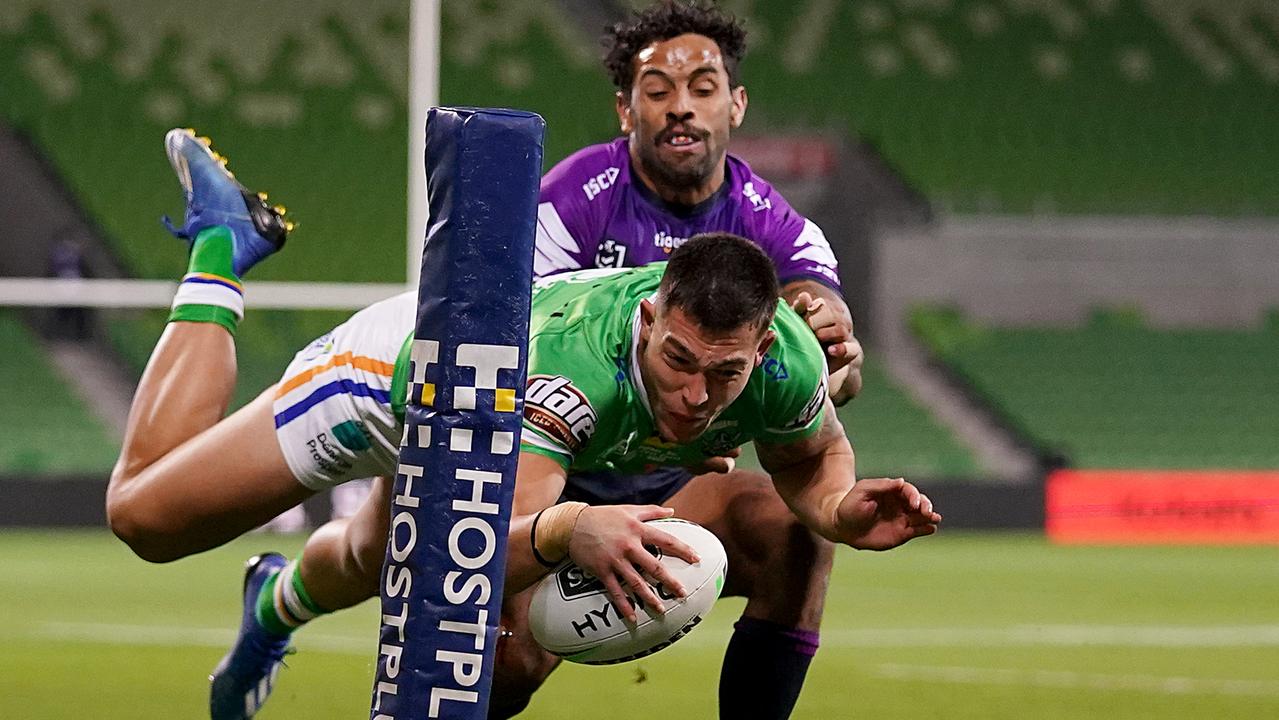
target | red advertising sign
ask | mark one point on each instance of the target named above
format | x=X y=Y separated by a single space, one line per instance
x=1162 y=506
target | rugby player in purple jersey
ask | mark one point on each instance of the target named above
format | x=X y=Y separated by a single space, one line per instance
x=633 y=200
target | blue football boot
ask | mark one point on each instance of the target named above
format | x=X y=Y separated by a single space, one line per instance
x=243 y=680
x=214 y=197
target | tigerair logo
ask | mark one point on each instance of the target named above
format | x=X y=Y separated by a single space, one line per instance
x=667 y=242
x=554 y=406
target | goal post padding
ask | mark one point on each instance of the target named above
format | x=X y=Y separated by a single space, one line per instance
x=451 y=504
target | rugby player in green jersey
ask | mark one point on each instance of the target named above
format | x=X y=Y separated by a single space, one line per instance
x=665 y=359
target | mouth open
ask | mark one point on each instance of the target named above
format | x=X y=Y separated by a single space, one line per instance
x=681 y=139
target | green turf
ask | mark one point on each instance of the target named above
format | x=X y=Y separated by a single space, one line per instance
x=956 y=626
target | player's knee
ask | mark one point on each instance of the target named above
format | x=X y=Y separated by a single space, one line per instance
x=520 y=668
x=806 y=550
x=773 y=538
x=367 y=552
x=132 y=521
x=794 y=545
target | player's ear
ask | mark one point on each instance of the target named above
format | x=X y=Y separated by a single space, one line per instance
x=648 y=313
x=737 y=112
x=765 y=343
x=623 y=107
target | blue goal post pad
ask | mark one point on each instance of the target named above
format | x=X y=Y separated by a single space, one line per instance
x=451 y=504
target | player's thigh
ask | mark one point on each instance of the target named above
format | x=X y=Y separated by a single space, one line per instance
x=745 y=512
x=215 y=486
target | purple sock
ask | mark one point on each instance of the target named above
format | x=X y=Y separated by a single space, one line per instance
x=764 y=669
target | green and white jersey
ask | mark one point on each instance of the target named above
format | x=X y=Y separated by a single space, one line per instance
x=339 y=408
x=585 y=405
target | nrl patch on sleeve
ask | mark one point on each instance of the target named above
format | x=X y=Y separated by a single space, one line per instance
x=561 y=411
x=811 y=408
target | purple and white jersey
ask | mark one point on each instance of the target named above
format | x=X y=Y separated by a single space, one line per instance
x=595 y=213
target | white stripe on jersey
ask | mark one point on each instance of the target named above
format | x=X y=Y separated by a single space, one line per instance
x=814 y=246
x=553 y=243
x=532 y=437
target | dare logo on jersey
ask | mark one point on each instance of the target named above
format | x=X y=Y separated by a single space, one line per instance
x=554 y=406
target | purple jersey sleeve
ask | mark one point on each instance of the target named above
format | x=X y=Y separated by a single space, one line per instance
x=797 y=246
x=573 y=210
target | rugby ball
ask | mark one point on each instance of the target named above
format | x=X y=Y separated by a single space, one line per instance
x=571 y=615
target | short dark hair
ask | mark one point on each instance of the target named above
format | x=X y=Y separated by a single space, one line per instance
x=721 y=281
x=663 y=21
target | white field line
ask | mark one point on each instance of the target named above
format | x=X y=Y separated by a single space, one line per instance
x=1164 y=685
x=1159 y=636
x=178 y=636
x=1156 y=636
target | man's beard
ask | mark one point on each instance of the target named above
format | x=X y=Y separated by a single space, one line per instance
x=689 y=177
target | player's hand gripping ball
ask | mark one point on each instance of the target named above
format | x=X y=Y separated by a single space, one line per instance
x=572 y=616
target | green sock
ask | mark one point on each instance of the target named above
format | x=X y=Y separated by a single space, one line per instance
x=284 y=604
x=210 y=291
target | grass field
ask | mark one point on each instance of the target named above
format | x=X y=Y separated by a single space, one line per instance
x=956 y=626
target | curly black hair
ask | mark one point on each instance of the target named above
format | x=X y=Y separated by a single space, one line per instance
x=663 y=21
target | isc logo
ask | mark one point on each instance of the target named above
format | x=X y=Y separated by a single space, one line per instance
x=600 y=183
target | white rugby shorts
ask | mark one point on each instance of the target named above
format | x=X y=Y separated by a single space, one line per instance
x=333 y=415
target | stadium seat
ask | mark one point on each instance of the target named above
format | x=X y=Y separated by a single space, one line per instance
x=1115 y=394
x=47 y=429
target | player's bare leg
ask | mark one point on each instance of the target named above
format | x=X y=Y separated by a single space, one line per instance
x=177 y=488
x=783 y=570
x=341 y=564
x=187 y=479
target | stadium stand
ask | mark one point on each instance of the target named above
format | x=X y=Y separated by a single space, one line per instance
x=46 y=428
x=1011 y=106
x=1046 y=106
x=328 y=107
x=893 y=436
x=1118 y=394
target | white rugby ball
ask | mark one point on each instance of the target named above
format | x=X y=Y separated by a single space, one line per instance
x=572 y=616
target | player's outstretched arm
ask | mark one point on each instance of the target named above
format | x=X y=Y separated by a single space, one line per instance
x=882 y=513
x=817 y=479
x=828 y=316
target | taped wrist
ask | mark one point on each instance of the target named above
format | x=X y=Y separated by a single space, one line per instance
x=552 y=529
